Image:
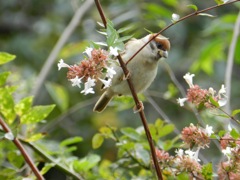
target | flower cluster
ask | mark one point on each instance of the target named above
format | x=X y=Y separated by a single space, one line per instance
x=198 y=136
x=230 y=169
x=90 y=70
x=183 y=161
x=188 y=161
x=199 y=96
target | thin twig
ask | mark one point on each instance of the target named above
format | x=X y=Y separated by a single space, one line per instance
x=51 y=160
x=181 y=19
x=23 y=151
x=137 y=102
x=60 y=43
x=230 y=60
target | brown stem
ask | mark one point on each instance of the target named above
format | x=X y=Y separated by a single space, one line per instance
x=23 y=151
x=181 y=19
x=137 y=102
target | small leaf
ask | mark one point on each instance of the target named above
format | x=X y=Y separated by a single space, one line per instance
x=215 y=103
x=221 y=133
x=121 y=30
x=15 y=158
x=206 y=14
x=6 y=57
x=207 y=171
x=86 y=163
x=23 y=105
x=131 y=133
x=97 y=140
x=193 y=6
x=36 y=114
x=234 y=134
x=142 y=154
x=59 y=95
x=70 y=141
x=165 y=130
x=3 y=77
x=7 y=104
x=124 y=38
x=235 y=112
x=47 y=167
x=35 y=137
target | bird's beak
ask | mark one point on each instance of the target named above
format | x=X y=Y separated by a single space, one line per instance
x=163 y=53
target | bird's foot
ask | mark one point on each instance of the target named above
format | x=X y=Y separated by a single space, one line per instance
x=138 y=108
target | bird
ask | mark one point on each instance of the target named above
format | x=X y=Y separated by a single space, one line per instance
x=142 y=68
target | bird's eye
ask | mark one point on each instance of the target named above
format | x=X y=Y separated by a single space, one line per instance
x=159 y=46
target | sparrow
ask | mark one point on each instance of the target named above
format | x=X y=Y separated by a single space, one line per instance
x=142 y=68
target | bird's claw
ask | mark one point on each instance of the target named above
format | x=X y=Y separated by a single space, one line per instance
x=138 y=108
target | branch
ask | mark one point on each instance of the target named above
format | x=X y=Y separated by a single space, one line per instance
x=23 y=151
x=50 y=159
x=137 y=102
x=230 y=60
x=181 y=19
x=60 y=43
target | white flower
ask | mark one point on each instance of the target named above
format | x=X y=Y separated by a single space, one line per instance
x=113 y=51
x=9 y=136
x=107 y=83
x=222 y=96
x=181 y=101
x=192 y=155
x=209 y=130
x=179 y=152
x=88 y=86
x=88 y=51
x=175 y=17
x=211 y=91
x=76 y=81
x=227 y=152
x=110 y=72
x=229 y=127
x=189 y=79
x=62 y=64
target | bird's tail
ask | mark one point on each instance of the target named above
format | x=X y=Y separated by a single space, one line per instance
x=102 y=102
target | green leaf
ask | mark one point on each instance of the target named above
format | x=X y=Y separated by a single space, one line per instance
x=221 y=133
x=206 y=14
x=112 y=34
x=47 y=167
x=142 y=154
x=3 y=77
x=86 y=163
x=124 y=38
x=97 y=140
x=234 y=134
x=15 y=158
x=207 y=171
x=219 y=2
x=131 y=133
x=235 y=112
x=36 y=114
x=6 y=57
x=165 y=130
x=7 y=104
x=23 y=105
x=35 y=137
x=121 y=30
x=70 y=141
x=194 y=7
x=215 y=103
x=59 y=95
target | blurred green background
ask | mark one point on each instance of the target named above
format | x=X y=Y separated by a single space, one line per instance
x=30 y=29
